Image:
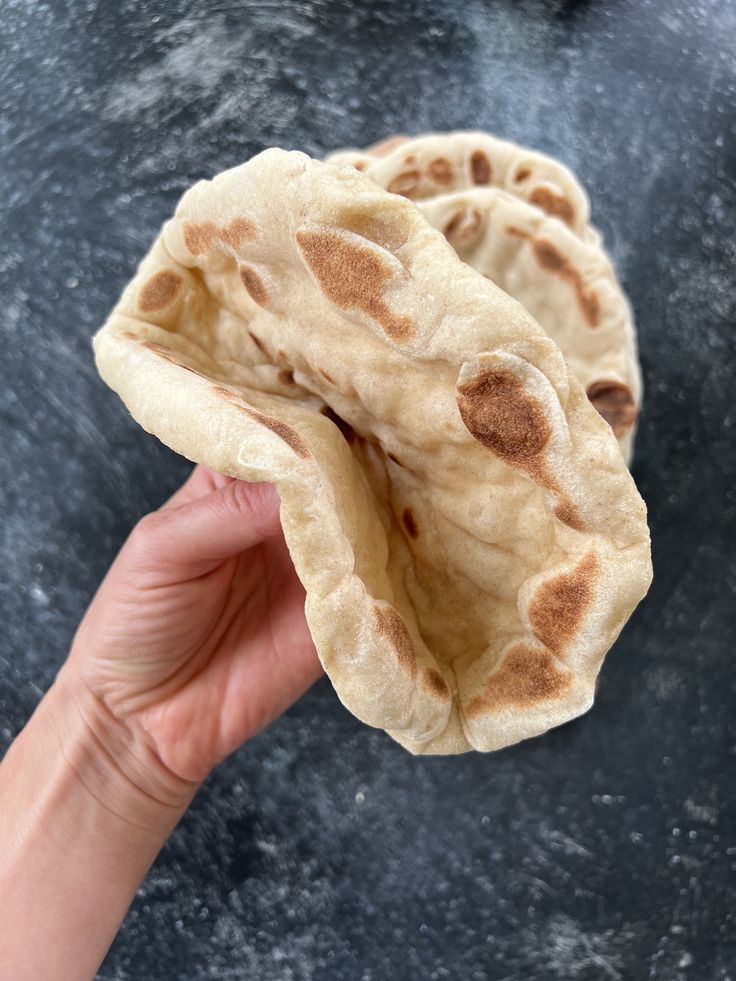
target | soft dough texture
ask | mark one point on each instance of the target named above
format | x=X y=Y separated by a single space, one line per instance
x=469 y=538
x=521 y=218
x=567 y=285
x=422 y=167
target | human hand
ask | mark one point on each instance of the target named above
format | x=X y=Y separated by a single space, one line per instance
x=197 y=637
x=195 y=640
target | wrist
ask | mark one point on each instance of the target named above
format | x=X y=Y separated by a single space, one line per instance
x=111 y=761
x=81 y=821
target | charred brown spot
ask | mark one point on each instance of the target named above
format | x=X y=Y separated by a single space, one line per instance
x=254 y=284
x=406 y=184
x=433 y=682
x=353 y=278
x=359 y=165
x=198 y=238
x=390 y=625
x=257 y=341
x=284 y=432
x=503 y=417
x=130 y=335
x=549 y=257
x=553 y=204
x=410 y=523
x=286 y=376
x=526 y=677
x=440 y=170
x=518 y=232
x=159 y=291
x=345 y=428
x=238 y=231
x=463 y=226
x=615 y=402
x=523 y=174
x=480 y=168
x=590 y=305
x=559 y=605
x=201 y=236
x=568 y=514
x=385 y=146
x=327 y=376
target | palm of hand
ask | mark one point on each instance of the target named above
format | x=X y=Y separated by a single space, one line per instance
x=199 y=664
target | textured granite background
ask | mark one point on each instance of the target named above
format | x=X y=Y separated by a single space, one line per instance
x=605 y=850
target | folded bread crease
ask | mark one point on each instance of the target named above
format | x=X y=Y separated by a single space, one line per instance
x=469 y=538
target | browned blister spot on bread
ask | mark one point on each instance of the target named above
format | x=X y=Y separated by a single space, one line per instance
x=568 y=514
x=286 y=376
x=480 y=168
x=286 y=433
x=433 y=683
x=410 y=522
x=254 y=284
x=390 y=625
x=463 y=226
x=199 y=237
x=522 y=174
x=559 y=605
x=528 y=675
x=327 y=376
x=440 y=170
x=615 y=402
x=353 y=277
x=553 y=204
x=406 y=184
x=238 y=231
x=504 y=417
x=159 y=291
x=549 y=257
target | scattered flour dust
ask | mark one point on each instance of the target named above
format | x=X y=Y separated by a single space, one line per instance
x=569 y=952
x=201 y=54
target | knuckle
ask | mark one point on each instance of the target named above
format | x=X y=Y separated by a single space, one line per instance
x=146 y=532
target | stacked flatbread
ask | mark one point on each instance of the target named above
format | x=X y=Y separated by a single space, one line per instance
x=522 y=220
x=469 y=537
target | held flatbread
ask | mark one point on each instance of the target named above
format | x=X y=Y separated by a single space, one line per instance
x=557 y=269
x=421 y=167
x=567 y=285
x=469 y=538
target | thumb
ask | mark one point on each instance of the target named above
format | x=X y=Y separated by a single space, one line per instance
x=192 y=539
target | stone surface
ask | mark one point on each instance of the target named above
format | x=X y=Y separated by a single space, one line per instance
x=604 y=850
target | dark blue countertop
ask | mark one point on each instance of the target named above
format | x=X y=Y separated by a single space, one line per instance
x=604 y=850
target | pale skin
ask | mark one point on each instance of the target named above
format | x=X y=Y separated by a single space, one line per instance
x=195 y=641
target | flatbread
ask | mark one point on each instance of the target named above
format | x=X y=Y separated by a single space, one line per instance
x=556 y=267
x=568 y=285
x=438 y=163
x=469 y=538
